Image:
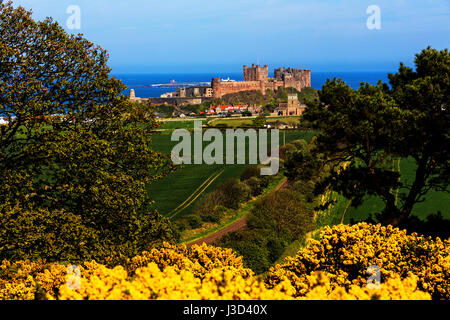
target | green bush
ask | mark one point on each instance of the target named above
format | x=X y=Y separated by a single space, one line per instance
x=216 y=215
x=251 y=246
x=249 y=171
x=193 y=221
x=234 y=193
x=209 y=202
x=276 y=247
x=285 y=213
x=256 y=186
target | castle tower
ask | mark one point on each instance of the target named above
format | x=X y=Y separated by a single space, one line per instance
x=132 y=94
x=215 y=85
x=293 y=104
x=256 y=73
x=245 y=73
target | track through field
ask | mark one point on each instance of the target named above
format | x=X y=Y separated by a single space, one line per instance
x=197 y=193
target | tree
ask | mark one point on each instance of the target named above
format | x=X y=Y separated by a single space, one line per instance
x=365 y=130
x=302 y=162
x=285 y=213
x=234 y=192
x=259 y=121
x=74 y=145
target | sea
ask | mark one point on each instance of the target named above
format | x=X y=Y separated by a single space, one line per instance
x=154 y=85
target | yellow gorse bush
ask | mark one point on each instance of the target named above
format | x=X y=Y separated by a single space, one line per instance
x=393 y=289
x=346 y=252
x=197 y=259
x=151 y=283
x=412 y=267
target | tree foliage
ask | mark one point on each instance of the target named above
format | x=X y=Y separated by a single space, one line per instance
x=365 y=130
x=74 y=147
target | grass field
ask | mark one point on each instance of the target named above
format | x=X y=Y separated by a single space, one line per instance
x=172 y=125
x=233 y=122
x=174 y=189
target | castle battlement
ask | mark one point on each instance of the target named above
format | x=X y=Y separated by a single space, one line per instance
x=257 y=78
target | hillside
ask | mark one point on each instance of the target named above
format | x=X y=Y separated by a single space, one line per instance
x=270 y=99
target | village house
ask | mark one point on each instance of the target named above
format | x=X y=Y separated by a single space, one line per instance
x=225 y=109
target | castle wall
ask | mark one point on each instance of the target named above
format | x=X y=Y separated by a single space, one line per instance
x=222 y=88
x=177 y=101
x=257 y=78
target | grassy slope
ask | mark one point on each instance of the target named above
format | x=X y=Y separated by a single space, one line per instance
x=171 y=191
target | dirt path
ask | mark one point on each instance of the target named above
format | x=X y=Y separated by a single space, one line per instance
x=238 y=225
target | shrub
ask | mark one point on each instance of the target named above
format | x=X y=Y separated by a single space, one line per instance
x=194 y=221
x=216 y=215
x=57 y=235
x=251 y=246
x=206 y=272
x=346 y=252
x=234 y=193
x=285 y=150
x=256 y=187
x=83 y=173
x=250 y=171
x=284 y=213
x=275 y=247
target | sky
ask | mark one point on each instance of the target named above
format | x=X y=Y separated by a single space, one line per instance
x=195 y=36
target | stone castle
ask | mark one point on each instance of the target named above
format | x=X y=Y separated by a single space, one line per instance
x=293 y=107
x=257 y=78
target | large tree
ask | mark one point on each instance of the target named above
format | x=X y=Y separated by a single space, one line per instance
x=74 y=148
x=364 y=131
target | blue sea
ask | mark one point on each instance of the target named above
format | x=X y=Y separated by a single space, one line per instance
x=152 y=85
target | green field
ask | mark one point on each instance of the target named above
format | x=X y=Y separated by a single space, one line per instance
x=172 y=125
x=174 y=189
x=171 y=191
x=239 y=122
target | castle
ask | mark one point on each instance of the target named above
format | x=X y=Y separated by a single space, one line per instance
x=257 y=78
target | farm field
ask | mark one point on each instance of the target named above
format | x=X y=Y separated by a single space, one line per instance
x=246 y=122
x=229 y=122
x=191 y=180
x=171 y=191
x=172 y=125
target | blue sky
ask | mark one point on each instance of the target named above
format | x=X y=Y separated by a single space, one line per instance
x=205 y=36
